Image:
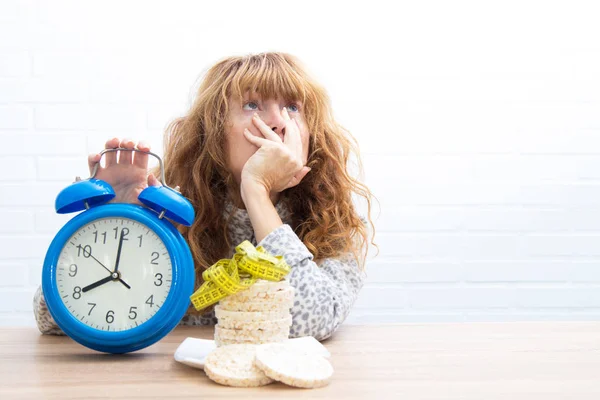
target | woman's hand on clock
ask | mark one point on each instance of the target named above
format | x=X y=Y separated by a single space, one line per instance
x=125 y=171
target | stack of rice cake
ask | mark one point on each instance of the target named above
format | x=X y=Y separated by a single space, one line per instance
x=259 y=314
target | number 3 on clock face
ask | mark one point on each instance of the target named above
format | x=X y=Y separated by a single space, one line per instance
x=114 y=274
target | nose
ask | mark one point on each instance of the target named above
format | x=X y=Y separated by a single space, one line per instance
x=272 y=117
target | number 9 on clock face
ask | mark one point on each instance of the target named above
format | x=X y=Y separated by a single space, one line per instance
x=114 y=274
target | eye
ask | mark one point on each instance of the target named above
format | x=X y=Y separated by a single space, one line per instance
x=293 y=108
x=251 y=104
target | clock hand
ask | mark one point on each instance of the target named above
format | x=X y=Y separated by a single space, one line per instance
x=98 y=261
x=98 y=283
x=112 y=277
x=119 y=251
x=122 y=281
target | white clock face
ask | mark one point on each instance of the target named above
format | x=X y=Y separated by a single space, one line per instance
x=100 y=297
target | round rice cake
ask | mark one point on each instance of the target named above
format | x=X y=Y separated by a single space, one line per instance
x=253 y=294
x=234 y=366
x=247 y=334
x=232 y=323
x=250 y=316
x=219 y=341
x=226 y=342
x=265 y=286
x=276 y=305
x=283 y=363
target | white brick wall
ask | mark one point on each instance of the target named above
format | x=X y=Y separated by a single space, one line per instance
x=479 y=126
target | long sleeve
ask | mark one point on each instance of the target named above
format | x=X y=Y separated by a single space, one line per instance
x=43 y=318
x=325 y=293
x=191 y=319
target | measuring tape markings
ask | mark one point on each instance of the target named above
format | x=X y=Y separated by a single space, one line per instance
x=223 y=278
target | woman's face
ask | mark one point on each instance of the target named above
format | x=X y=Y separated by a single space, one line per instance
x=239 y=149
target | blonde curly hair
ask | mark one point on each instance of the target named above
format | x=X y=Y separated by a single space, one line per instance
x=324 y=216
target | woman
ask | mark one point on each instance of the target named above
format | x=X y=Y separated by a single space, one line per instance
x=261 y=158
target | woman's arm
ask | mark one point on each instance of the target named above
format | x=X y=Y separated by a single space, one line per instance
x=43 y=318
x=194 y=318
x=325 y=293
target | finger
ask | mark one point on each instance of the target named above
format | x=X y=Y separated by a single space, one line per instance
x=296 y=179
x=152 y=181
x=93 y=159
x=292 y=138
x=255 y=140
x=301 y=147
x=264 y=129
x=305 y=142
x=125 y=157
x=288 y=121
x=111 y=156
x=141 y=159
x=303 y=172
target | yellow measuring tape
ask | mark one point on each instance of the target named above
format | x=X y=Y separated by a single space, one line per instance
x=229 y=276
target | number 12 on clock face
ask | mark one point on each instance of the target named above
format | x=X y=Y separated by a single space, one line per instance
x=114 y=274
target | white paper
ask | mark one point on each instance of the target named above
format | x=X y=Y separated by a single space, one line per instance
x=193 y=351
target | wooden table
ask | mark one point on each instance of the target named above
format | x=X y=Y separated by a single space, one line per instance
x=533 y=360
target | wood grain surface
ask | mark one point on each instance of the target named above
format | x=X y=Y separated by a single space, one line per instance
x=519 y=360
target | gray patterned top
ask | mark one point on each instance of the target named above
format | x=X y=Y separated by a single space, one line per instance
x=325 y=292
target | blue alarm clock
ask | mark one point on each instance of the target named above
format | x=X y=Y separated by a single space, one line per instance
x=118 y=277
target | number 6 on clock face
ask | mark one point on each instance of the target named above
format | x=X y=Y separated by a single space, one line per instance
x=114 y=274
